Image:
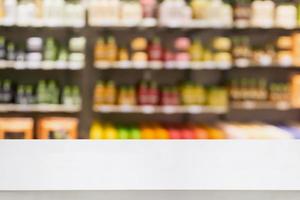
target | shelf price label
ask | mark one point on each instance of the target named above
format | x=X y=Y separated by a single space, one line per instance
x=282 y=105
x=148 y=109
x=126 y=109
x=194 y=109
x=168 y=109
x=105 y=109
x=249 y=105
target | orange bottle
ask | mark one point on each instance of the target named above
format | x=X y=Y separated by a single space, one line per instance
x=201 y=133
x=110 y=93
x=147 y=132
x=215 y=134
x=161 y=133
x=111 y=49
x=99 y=93
x=123 y=55
x=99 y=51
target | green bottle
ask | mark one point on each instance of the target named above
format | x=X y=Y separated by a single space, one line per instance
x=67 y=96
x=135 y=133
x=21 y=98
x=123 y=133
x=11 y=52
x=63 y=54
x=29 y=94
x=2 y=48
x=298 y=12
x=53 y=93
x=41 y=93
x=76 y=97
x=7 y=93
x=50 y=50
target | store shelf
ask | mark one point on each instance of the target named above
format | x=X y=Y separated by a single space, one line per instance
x=149 y=165
x=174 y=25
x=44 y=65
x=43 y=108
x=152 y=24
x=160 y=65
x=128 y=65
x=250 y=105
x=160 y=109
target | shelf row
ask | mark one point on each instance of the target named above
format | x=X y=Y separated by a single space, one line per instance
x=74 y=66
x=61 y=65
x=40 y=108
x=150 y=13
x=193 y=109
x=160 y=109
x=145 y=26
x=44 y=65
x=48 y=108
x=155 y=65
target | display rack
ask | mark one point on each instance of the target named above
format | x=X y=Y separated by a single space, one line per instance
x=88 y=74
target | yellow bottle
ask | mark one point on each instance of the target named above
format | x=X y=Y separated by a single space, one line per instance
x=1 y=10
x=110 y=93
x=99 y=51
x=123 y=55
x=110 y=132
x=196 y=51
x=99 y=94
x=199 y=8
x=111 y=50
x=96 y=131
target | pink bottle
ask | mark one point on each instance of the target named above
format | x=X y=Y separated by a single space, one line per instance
x=149 y=8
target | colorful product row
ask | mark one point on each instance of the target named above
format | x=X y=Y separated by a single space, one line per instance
x=42 y=13
x=259 y=90
x=201 y=13
x=149 y=93
x=45 y=92
x=39 y=53
x=101 y=130
x=174 y=13
x=221 y=52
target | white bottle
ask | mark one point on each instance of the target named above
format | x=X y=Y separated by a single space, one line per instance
x=26 y=13
x=286 y=16
x=10 y=10
x=131 y=13
x=74 y=15
x=104 y=12
x=53 y=12
x=226 y=16
x=174 y=13
x=262 y=13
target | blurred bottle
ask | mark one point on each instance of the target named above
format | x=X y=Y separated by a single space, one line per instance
x=110 y=93
x=50 y=50
x=100 y=50
x=42 y=93
x=111 y=50
x=149 y=8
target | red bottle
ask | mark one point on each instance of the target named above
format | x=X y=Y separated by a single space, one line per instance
x=166 y=97
x=143 y=93
x=188 y=134
x=174 y=96
x=169 y=58
x=174 y=132
x=155 y=51
x=153 y=94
